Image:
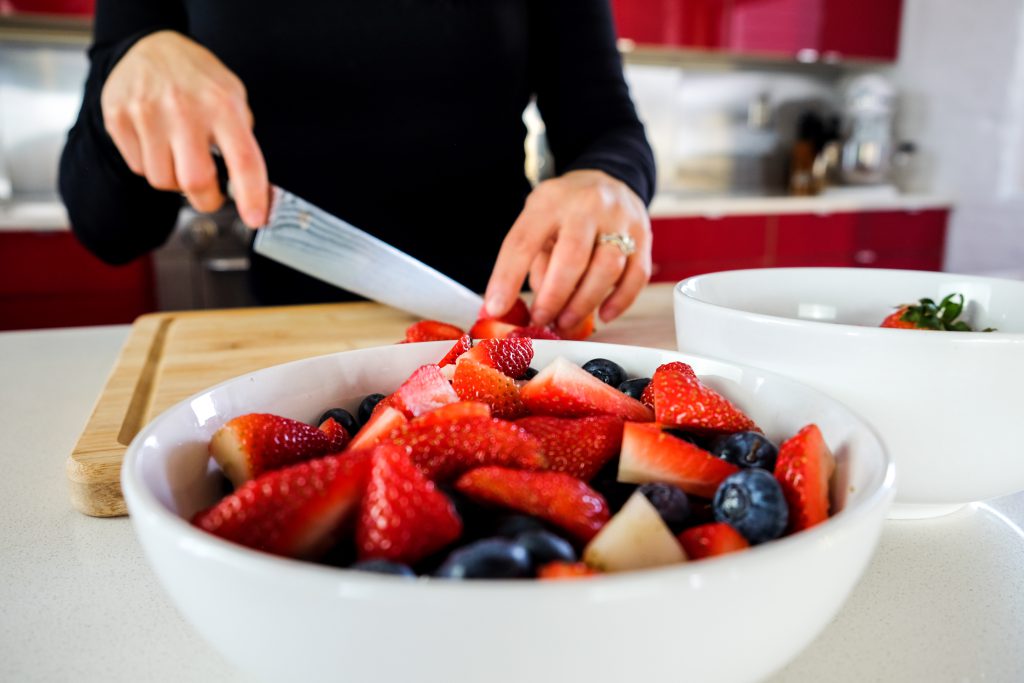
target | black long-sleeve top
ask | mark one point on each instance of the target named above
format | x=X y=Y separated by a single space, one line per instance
x=402 y=116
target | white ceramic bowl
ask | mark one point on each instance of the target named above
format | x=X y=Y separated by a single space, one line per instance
x=946 y=404
x=735 y=618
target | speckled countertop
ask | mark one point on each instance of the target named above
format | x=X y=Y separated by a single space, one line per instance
x=943 y=600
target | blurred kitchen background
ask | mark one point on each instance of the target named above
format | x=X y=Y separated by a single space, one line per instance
x=874 y=133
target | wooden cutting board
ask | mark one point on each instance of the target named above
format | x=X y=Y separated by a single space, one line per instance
x=170 y=356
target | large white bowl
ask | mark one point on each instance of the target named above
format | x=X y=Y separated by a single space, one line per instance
x=946 y=404
x=735 y=618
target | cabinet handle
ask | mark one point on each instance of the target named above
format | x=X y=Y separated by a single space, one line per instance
x=865 y=257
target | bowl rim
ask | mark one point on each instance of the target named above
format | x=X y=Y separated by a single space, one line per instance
x=142 y=502
x=684 y=290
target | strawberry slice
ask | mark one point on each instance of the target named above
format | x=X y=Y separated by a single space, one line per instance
x=403 y=517
x=431 y=330
x=511 y=356
x=425 y=390
x=299 y=511
x=519 y=314
x=381 y=423
x=682 y=400
x=465 y=343
x=454 y=411
x=337 y=434
x=564 y=389
x=803 y=468
x=249 y=445
x=565 y=570
x=534 y=332
x=709 y=540
x=576 y=446
x=490 y=329
x=444 y=451
x=580 y=330
x=476 y=382
x=650 y=454
x=556 y=497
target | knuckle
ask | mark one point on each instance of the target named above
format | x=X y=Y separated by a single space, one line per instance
x=199 y=180
x=161 y=180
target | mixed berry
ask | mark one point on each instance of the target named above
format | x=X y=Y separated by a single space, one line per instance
x=480 y=466
x=928 y=315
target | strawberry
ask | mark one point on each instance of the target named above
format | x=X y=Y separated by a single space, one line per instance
x=249 y=445
x=453 y=411
x=709 y=540
x=896 y=319
x=565 y=389
x=804 y=467
x=511 y=356
x=650 y=454
x=490 y=329
x=465 y=343
x=682 y=400
x=381 y=423
x=444 y=451
x=402 y=517
x=519 y=314
x=647 y=397
x=580 y=330
x=299 y=511
x=534 y=332
x=576 y=446
x=565 y=570
x=425 y=390
x=431 y=330
x=476 y=382
x=559 y=498
x=927 y=315
x=337 y=434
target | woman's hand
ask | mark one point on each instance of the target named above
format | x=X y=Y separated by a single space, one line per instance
x=165 y=104
x=556 y=241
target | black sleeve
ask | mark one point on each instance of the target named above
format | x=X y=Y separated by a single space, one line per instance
x=115 y=213
x=576 y=71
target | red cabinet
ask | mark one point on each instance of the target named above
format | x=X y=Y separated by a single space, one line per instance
x=47 y=279
x=80 y=8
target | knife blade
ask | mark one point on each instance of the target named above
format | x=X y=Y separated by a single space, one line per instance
x=308 y=239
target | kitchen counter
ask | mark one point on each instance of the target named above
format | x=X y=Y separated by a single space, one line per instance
x=943 y=600
x=668 y=205
x=30 y=216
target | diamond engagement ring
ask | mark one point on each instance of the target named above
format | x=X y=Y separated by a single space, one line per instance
x=625 y=243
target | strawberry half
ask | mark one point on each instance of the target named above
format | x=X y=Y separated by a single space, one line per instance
x=556 y=497
x=490 y=329
x=576 y=446
x=473 y=381
x=709 y=540
x=432 y=330
x=465 y=343
x=454 y=411
x=804 y=467
x=249 y=445
x=425 y=390
x=403 y=517
x=510 y=356
x=650 y=454
x=381 y=423
x=682 y=400
x=299 y=511
x=519 y=314
x=564 y=389
x=337 y=434
x=534 y=332
x=444 y=451
x=580 y=330
x=565 y=570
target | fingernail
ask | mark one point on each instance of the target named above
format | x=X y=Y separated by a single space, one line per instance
x=253 y=219
x=496 y=306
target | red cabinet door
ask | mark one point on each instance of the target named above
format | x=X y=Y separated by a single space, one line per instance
x=82 y=8
x=774 y=27
x=914 y=240
x=691 y=246
x=814 y=240
x=865 y=29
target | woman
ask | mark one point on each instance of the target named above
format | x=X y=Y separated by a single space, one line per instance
x=401 y=116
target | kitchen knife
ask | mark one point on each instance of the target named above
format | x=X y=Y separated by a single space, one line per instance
x=310 y=240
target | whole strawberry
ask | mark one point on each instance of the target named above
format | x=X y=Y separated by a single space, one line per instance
x=927 y=315
x=576 y=446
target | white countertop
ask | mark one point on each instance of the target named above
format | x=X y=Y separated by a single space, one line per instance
x=943 y=600
x=33 y=216
x=667 y=205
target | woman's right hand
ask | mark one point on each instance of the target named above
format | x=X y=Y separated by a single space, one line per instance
x=165 y=104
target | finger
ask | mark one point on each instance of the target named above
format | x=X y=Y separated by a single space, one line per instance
x=537 y=270
x=157 y=161
x=606 y=267
x=568 y=263
x=246 y=168
x=194 y=168
x=523 y=242
x=638 y=273
x=121 y=130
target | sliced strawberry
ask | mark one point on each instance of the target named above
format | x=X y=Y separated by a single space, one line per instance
x=249 y=445
x=381 y=423
x=454 y=411
x=337 y=434
x=431 y=330
x=473 y=381
x=465 y=343
x=580 y=330
x=682 y=400
x=565 y=389
x=709 y=540
x=511 y=356
x=565 y=570
x=490 y=329
x=804 y=467
x=650 y=454
x=425 y=390
x=299 y=511
x=519 y=314
x=444 y=451
x=535 y=332
x=647 y=397
x=556 y=497
x=403 y=517
x=576 y=446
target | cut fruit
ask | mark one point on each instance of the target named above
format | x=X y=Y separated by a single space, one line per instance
x=380 y=425
x=682 y=400
x=635 y=538
x=453 y=411
x=709 y=540
x=509 y=356
x=804 y=467
x=425 y=390
x=250 y=445
x=579 y=446
x=464 y=343
x=564 y=389
x=650 y=454
x=473 y=381
x=490 y=329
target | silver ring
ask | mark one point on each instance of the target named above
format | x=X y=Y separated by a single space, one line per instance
x=625 y=243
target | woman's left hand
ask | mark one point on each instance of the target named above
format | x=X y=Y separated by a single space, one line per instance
x=565 y=239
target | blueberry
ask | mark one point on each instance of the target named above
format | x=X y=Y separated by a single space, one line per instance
x=605 y=370
x=491 y=558
x=384 y=567
x=544 y=547
x=528 y=374
x=510 y=526
x=367 y=406
x=634 y=388
x=477 y=520
x=752 y=502
x=696 y=440
x=606 y=482
x=670 y=502
x=747 y=449
x=342 y=417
